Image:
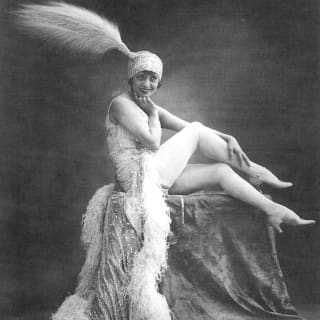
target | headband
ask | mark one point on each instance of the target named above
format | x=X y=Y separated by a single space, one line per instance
x=145 y=61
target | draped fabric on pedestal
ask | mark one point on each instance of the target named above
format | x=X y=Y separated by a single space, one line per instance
x=224 y=264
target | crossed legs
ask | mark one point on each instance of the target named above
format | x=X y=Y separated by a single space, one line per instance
x=172 y=164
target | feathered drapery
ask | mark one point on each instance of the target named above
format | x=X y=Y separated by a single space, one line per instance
x=120 y=276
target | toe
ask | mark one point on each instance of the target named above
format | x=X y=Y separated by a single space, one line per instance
x=307 y=222
x=284 y=184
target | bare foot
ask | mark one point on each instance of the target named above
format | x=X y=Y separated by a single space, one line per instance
x=279 y=214
x=262 y=175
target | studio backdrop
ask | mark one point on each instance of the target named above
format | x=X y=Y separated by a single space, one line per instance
x=248 y=68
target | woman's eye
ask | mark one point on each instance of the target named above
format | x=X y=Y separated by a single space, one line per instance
x=153 y=79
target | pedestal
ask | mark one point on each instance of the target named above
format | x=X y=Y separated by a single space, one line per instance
x=224 y=264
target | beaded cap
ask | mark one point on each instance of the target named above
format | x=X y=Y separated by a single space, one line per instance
x=145 y=61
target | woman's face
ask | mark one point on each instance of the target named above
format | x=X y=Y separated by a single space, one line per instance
x=145 y=83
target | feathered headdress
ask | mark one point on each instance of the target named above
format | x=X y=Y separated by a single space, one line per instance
x=72 y=27
x=81 y=30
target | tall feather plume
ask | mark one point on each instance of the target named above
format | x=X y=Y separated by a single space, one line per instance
x=72 y=27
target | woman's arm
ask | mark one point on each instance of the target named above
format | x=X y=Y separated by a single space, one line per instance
x=124 y=112
x=170 y=121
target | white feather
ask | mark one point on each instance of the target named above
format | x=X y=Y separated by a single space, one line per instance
x=72 y=27
x=92 y=235
x=151 y=261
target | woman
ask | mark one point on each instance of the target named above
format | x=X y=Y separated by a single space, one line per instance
x=126 y=226
x=135 y=112
x=134 y=123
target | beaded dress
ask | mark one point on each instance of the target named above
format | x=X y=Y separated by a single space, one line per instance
x=125 y=230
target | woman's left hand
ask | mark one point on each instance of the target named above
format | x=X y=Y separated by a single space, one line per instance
x=235 y=149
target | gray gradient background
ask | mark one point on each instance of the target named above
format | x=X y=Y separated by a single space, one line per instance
x=248 y=68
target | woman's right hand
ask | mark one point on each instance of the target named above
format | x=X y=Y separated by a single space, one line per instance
x=146 y=104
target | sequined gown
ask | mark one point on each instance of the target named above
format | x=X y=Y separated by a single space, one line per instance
x=113 y=236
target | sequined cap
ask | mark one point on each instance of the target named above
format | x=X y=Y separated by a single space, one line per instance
x=145 y=61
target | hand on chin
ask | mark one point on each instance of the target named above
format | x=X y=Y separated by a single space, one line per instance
x=141 y=94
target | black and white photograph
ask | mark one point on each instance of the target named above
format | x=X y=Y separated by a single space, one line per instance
x=159 y=160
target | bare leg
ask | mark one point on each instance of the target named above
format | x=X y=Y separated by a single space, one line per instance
x=196 y=136
x=198 y=176
x=172 y=161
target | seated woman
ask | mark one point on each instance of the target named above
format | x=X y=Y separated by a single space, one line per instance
x=127 y=245
x=136 y=113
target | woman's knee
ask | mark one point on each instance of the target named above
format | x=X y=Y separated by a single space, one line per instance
x=194 y=128
x=195 y=125
x=201 y=130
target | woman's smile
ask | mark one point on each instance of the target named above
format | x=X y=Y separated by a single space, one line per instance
x=145 y=83
x=145 y=91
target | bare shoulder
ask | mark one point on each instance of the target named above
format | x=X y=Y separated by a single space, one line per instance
x=121 y=106
x=118 y=105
